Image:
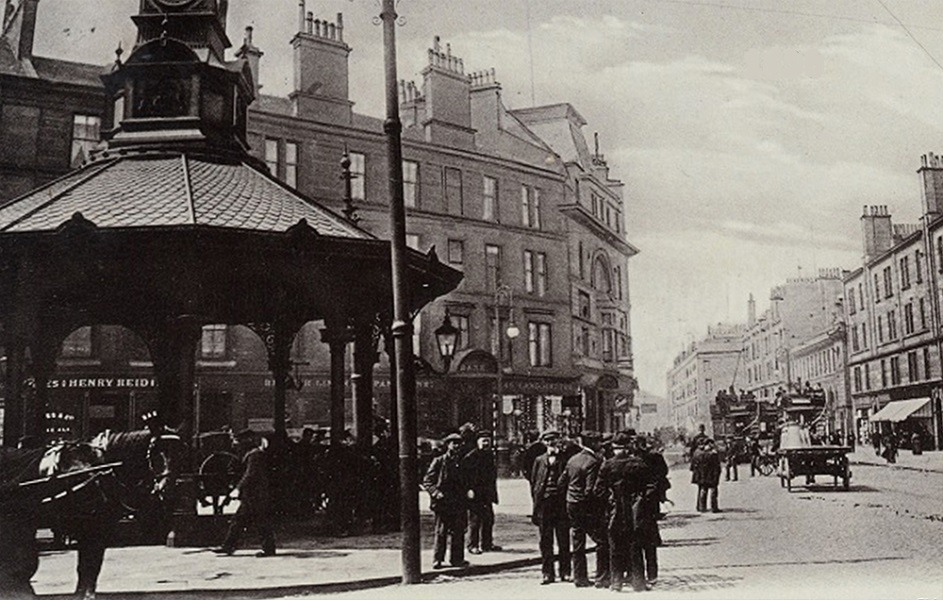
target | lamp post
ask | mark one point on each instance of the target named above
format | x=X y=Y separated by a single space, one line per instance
x=502 y=291
x=401 y=329
x=446 y=337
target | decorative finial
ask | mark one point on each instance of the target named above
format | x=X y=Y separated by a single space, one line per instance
x=118 y=52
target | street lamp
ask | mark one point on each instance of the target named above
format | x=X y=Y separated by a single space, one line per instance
x=446 y=336
x=502 y=291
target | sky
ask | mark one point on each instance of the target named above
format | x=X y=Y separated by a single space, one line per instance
x=748 y=133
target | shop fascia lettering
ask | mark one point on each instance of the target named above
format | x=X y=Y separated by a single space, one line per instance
x=84 y=383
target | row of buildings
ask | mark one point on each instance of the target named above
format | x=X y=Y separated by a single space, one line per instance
x=518 y=200
x=870 y=338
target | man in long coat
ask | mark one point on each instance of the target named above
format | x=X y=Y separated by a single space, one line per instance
x=549 y=512
x=482 y=474
x=655 y=494
x=254 y=493
x=447 y=485
x=624 y=480
x=705 y=473
x=585 y=510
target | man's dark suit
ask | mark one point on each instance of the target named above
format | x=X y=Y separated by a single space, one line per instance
x=586 y=513
x=550 y=513
x=482 y=476
x=255 y=503
x=448 y=487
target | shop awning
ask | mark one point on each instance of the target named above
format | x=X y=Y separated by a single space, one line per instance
x=899 y=410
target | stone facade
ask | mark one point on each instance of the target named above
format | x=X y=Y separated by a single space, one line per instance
x=704 y=368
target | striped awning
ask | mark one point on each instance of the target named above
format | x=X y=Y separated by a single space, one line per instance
x=899 y=410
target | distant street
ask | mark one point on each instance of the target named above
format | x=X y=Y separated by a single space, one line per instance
x=882 y=539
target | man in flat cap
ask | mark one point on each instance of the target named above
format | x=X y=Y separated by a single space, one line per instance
x=549 y=512
x=255 y=503
x=623 y=480
x=482 y=472
x=585 y=510
x=448 y=489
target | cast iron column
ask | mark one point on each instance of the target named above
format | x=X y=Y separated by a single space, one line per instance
x=365 y=355
x=402 y=325
x=337 y=338
x=172 y=348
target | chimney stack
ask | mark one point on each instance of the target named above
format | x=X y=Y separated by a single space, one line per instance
x=447 y=92
x=931 y=176
x=322 y=90
x=878 y=231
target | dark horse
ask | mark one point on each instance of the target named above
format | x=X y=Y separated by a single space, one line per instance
x=83 y=491
x=25 y=486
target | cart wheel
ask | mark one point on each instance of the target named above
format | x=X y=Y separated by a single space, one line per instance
x=846 y=479
x=788 y=477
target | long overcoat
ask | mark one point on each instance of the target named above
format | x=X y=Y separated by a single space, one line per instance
x=705 y=468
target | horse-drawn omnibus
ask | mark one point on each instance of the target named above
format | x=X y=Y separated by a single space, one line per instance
x=800 y=453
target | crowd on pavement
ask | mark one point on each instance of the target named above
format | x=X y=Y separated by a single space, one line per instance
x=586 y=486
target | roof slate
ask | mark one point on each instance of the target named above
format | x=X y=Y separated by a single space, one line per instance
x=171 y=190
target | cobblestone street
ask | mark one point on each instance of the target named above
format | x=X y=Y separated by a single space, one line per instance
x=882 y=539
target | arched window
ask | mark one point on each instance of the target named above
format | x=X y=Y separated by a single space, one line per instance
x=602 y=281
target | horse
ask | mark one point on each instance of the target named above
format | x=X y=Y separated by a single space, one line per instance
x=140 y=486
x=26 y=485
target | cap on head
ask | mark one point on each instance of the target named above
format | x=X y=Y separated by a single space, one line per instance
x=452 y=437
x=483 y=434
x=590 y=437
x=550 y=436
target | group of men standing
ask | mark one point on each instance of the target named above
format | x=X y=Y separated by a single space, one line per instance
x=610 y=494
x=463 y=488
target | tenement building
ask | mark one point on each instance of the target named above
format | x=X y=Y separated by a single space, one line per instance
x=892 y=310
x=513 y=198
x=799 y=309
x=702 y=369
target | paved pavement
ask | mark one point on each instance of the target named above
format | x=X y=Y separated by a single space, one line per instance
x=338 y=563
x=928 y=461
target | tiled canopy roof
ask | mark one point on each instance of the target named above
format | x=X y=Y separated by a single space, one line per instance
x=171 y=189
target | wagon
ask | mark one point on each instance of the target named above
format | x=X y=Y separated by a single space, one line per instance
x=814 y=460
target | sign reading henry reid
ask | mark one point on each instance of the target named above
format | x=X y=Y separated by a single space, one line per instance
x=85 y=383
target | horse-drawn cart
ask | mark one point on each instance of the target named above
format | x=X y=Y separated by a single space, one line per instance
x=814 y=460
x=797 y=454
